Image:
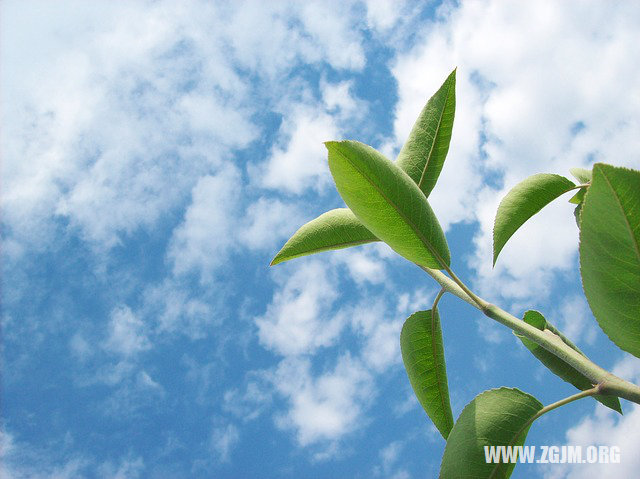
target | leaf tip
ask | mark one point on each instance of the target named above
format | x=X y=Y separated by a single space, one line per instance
x=618 y=409
x=280 y=257
x=496 y=250
x=277 y=259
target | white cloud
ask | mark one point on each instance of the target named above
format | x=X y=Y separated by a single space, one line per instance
x=606 y=428
x=128 y=467
x=576 y=320
x=251 y=403
x=628 y=368
x=119 y=373
x=127 y=333
x=326 y=407
x=267 y=222
x=223 y=439
x=176 y=309
x=8 y=447
x=80 y=347
x=492 y=332
x=389 y=458
x=19 y=460
x=301 y=164
x=144 y=381
x=332 y=25
x=207 y=115
x=383 y=14
x=529 y=100
x=100 y=123
x=131 y=394
x=379 y=333
x=274 y=36
x=389 y=454
x=363 y=263
x=298 y=320
x=382 y=348
x=200 y=243
x=298 y=160
x=409 y=303
x=114 y=112
x=338 y=99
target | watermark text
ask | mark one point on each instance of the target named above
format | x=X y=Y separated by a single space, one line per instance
x=552 y=454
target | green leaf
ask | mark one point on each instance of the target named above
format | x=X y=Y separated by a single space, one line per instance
x=584 y=177
x=581 y=174
x=610 y=253
x=423 y=357
x=494 y=418
x=424 y=152
x=334 y=229
x=558 y=366
x=578 y=197
x=576 y=214
x=388 y=203
x=422 y=157
x=535 y=319
x=522 y=202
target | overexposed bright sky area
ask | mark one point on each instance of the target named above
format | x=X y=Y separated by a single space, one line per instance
x=156 y=155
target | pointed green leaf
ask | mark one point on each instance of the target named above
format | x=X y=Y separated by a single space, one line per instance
x=424 y=152
x=610 y=253
x=421 y=157
x=494 y=418
x=522 y=202
x=578 y=197
x=584 y=177
x=334 y=229
x=581 y=174
x=388 y=203
x=558 y=366
x=423 y=357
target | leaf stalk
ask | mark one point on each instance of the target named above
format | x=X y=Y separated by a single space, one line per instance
x=608 y=383
x=582 y=394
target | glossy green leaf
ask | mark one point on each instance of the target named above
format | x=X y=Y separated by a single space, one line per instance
x=581 y=174
x=388 y=203
x=610 y=253
x=522 y=202
x=424 y=152
x=494 y=418
x=422 y=157
x=423 y=357
x=558 y=366
x=334 y=229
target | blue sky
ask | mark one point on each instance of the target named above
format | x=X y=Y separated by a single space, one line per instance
x=155 y=157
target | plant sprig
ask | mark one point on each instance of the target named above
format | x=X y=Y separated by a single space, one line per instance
x=388 y=201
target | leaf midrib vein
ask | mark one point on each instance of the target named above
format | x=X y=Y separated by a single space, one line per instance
x=636 y=247
x=417 y=232
x=437 y=370
x=435 y=139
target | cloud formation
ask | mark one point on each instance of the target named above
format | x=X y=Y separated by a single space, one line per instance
x=530 y=99
x=606 y=428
